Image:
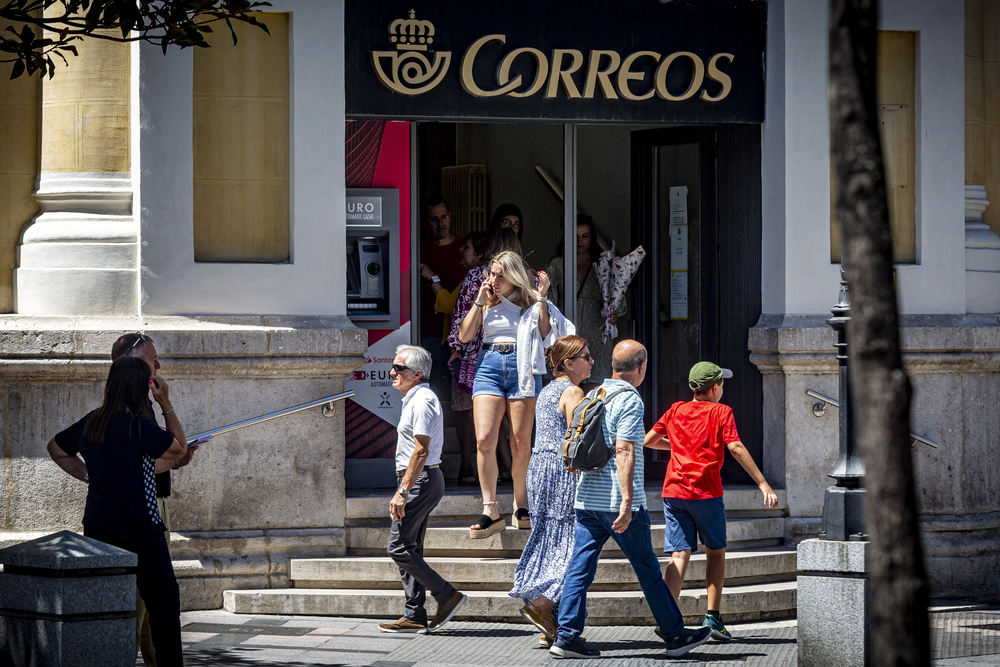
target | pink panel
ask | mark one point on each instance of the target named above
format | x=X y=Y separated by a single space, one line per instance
x=392 y=170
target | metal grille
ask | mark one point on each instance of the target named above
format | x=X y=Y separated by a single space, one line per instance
x=227 y=629
x=464 y=188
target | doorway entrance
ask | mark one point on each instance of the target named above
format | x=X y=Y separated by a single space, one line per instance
x=696 y=205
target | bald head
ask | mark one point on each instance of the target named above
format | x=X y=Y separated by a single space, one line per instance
x=628 y=361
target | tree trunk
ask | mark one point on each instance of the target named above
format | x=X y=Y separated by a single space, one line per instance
x=881 y=389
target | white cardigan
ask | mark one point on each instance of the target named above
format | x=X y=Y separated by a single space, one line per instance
x=531 y=348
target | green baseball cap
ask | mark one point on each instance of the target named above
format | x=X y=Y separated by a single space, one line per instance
x=704 y=374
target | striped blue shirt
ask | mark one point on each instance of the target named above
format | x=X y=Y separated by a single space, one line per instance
x=600 y=491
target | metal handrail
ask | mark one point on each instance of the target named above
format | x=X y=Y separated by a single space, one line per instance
x=820 y=408
x=327 y=404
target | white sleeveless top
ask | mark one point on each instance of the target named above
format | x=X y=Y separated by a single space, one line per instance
x=500 y=322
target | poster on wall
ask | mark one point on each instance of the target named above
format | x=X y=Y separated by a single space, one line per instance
x=678 y=253
x=372 y=384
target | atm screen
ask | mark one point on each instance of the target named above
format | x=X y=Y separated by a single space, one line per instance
x=353 y=277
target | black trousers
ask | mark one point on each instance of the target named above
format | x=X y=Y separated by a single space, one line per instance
x=406 y=546
x=158 y=588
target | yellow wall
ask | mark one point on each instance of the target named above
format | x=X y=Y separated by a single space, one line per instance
x=85 y=111
x=982 y=102
x=241 y=145
x=18 y=169
x=895 y=88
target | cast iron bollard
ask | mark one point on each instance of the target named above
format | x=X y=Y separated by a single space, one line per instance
x=832 y=591
x=844 y=503
x=65 y=599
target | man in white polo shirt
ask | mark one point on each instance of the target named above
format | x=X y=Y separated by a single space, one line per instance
x=420 y=486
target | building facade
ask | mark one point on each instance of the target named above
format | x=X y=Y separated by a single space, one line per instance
x=201 y=197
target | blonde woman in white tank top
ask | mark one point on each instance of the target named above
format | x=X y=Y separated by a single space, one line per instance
x=505 y=295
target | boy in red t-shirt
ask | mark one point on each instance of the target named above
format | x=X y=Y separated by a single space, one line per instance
x=698 y=433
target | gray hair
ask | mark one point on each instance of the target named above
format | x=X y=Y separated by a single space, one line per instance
x=417 y=358
x=630 y=363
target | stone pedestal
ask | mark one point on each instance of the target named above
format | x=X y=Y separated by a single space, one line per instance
x=65 y=599
x=833 y=604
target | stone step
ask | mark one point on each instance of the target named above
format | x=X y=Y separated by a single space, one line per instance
x=496 y=574
x=462 y=505
x=739 y=603
x=454 y=540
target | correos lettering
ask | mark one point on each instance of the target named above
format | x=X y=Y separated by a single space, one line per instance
x=605 y=69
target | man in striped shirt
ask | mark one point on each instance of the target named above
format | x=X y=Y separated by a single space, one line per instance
x=606 y=507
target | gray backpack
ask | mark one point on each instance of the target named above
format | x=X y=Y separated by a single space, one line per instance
x=584 y=446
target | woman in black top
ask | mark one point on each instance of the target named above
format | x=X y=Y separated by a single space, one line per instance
x=119 y=446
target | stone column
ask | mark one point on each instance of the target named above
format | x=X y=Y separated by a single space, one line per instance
x=982 y=255
x=79 y=256
x=982 y=155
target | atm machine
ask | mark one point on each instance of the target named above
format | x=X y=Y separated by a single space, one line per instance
x=373 y=257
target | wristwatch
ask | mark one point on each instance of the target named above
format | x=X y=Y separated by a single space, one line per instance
x=402 y=490
x=435 y=278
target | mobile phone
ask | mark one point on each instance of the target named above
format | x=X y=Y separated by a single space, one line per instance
x=456 y=367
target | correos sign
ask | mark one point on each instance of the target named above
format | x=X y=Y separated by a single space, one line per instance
x=694 y=62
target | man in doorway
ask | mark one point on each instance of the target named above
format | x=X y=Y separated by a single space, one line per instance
x=611 y=503
x=420 y=487
x=141 y=346
x=440 y=255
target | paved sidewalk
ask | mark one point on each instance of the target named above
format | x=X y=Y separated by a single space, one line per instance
x=219 y=638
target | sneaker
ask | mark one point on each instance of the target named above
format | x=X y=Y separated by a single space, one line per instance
x=402 y=625
x=541 y=620
x=688 y=639
x=545 y=642
x=718 y=629
x=447 y=610
x=574 y=649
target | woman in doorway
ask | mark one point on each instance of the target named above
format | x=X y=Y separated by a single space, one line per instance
x=508 y=216
x=517 y=325
x=551 y=488
x=589 y=300
x=120 y=446
x=468 y=355
x=474 y=254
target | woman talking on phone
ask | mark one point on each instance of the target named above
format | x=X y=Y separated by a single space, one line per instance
x=518 y=324
x=120 y=446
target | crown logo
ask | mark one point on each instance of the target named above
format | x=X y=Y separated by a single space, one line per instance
x=411 y=69
x=411 y=34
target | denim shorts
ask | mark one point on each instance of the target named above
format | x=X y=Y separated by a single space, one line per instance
x=496 y=375
x=687 y=519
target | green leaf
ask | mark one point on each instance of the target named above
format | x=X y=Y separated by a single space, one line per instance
x=17 y=70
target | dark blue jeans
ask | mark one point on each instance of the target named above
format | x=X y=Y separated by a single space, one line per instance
x=592 y=530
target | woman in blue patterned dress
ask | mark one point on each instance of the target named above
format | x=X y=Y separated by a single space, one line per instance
x=538 y=579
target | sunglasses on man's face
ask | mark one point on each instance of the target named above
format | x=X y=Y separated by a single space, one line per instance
x=399 y=368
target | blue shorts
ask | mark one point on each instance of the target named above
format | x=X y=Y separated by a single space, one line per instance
x=687 y=519
x=496 y=375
